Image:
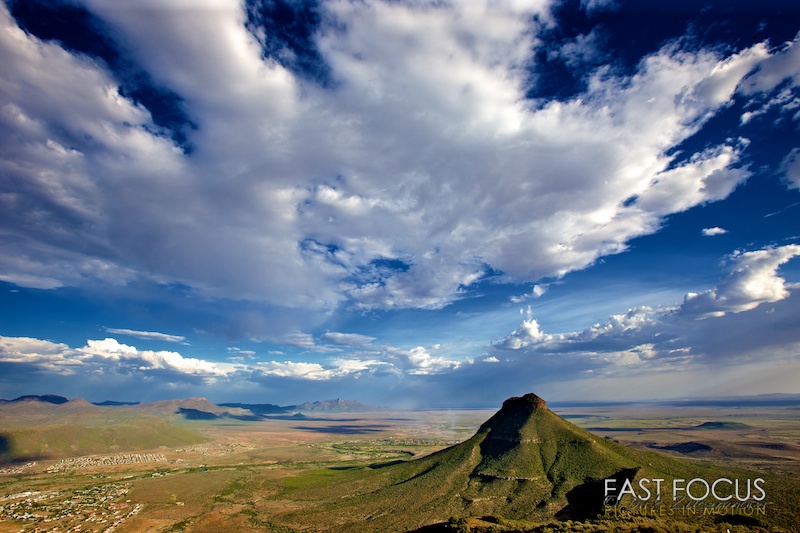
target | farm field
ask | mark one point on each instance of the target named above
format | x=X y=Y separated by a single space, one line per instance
x=275 y=474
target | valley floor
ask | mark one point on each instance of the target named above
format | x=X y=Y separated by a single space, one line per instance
x=269 y=475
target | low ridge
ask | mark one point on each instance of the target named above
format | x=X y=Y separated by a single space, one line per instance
x=45 y=398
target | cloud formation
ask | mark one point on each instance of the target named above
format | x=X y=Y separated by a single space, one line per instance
x=751 y=280
x=346 y=339
x=147 y=335
x=107 y=356
x=537 y=292
x=791 y=168
x=420 y=168
x=712 y=232
x=699 y=331
x=751 y=316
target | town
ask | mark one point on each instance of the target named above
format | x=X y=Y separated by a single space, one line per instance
x=91 y=509
x=119 y=459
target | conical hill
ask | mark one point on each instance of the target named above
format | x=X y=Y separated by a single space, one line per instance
x=525 y=462
x=531 y=458
x=527 y=441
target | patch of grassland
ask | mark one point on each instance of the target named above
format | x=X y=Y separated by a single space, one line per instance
x=70 y=440
x=512 y=477
x=521 y=465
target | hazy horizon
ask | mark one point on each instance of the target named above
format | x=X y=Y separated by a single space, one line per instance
x=760 y=400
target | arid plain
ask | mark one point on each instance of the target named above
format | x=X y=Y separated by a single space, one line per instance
x=81 y=467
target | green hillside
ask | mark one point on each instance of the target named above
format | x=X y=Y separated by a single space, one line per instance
x=55 y=441
x=37 y=429
x=524 y=463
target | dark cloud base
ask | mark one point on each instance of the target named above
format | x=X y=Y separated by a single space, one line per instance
x=79 y=30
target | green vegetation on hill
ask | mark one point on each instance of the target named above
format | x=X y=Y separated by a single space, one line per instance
x=525 y=470
x=525 y=463
x=37 y=429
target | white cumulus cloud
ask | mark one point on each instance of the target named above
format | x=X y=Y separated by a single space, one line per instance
x=736 y=326
x=423 y=166
x=751 y=280
x=711 y=232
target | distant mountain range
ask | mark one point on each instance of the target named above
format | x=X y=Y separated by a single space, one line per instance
x=64 y=428
x=198 y=408
x=189 y=408
x=48 y=398
x=326 y=406
x=340 y=405
x=49 y=427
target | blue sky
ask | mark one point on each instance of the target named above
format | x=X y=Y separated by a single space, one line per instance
x=397 y=202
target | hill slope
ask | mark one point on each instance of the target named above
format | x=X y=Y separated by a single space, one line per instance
x=35 y=429
x=525 y=462
x=189 y=408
